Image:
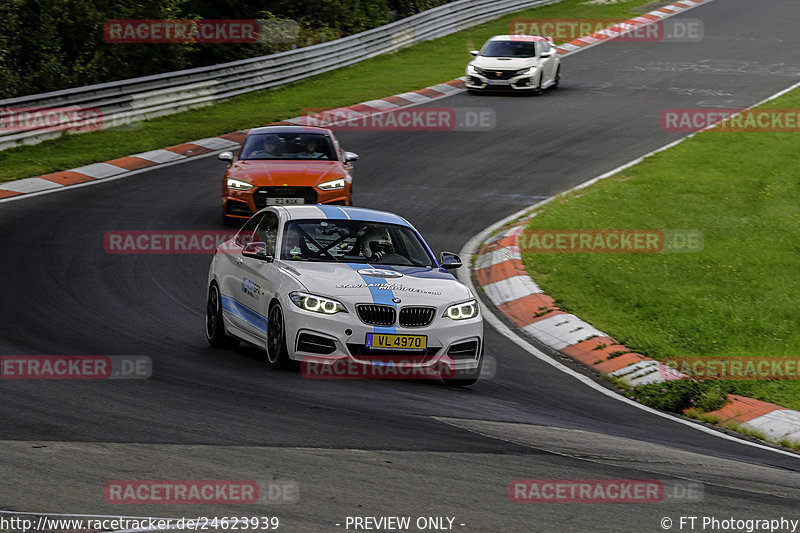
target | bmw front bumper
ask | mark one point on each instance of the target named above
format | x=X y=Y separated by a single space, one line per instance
x=455 y=345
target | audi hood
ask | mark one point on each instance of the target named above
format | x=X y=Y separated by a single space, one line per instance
x=295 y=172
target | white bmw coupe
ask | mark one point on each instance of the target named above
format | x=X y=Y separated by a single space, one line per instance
x=345 y=286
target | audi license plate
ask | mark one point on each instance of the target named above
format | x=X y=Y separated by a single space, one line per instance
x=285 y=201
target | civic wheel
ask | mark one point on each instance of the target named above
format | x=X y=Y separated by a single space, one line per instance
x=557 y=79
x=538 y=91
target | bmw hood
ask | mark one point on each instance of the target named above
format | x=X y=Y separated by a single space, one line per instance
x=364 y=283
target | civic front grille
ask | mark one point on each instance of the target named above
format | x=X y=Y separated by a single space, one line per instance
x=376 y=315
x=415 y=317
x=493 y=74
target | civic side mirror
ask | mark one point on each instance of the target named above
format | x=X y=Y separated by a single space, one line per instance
x=350 y=156
x=257 y=250
x=545 y=54
x=449 y=260
x=474 y=52
x=226 y=156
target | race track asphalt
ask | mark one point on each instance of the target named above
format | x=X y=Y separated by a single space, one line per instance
x=373 y=447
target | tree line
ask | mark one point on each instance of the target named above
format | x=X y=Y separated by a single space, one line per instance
x=47 y=45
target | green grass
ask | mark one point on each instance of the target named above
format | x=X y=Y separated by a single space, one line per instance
x=413 y=68
x=740 y=296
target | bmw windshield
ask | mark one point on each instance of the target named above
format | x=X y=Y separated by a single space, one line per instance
x=353 y=241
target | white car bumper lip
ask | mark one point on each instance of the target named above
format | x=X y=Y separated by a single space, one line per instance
x=510 y=83
x=343 y=335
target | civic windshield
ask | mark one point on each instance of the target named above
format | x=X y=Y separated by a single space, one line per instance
x=509 y=49
x=353 y=241
x=288 y=146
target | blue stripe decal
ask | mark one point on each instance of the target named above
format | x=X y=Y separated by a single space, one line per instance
x=379 y=295
x=333 y=212
x=423 y=272
x=376 y=216
x=253 y=318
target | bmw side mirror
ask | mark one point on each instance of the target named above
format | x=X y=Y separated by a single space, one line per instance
x=474 y=52
x=449 y=260
x=226 y=156
x=257 y=250
x=350 y=156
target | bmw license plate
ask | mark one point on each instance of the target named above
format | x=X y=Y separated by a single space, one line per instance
x=391 y=341
x=285 y=201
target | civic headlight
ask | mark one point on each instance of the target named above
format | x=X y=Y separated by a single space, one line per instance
x=462 y=311
x=524 y=71
x=239 y=185
x=332 y=185
x=317 y=304
x=471 y=69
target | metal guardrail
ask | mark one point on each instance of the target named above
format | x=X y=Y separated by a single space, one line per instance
x=128 y=101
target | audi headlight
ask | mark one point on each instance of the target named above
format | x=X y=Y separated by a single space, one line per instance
x=462 y=311
x=239 y=185
x=316 y=304
x=332 y=185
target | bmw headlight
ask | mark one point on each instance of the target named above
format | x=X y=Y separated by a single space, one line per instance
x=239 y=185
x=332 y=185
x=316 y=304
x=462 y=311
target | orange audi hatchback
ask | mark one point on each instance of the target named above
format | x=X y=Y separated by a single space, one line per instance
x=285 y=165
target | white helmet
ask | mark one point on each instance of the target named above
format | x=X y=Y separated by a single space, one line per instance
x=376 y=242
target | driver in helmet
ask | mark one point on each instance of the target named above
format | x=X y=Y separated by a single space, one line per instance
x=376 y=244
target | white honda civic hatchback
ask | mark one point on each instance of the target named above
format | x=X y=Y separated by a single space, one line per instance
x=344 y=287
x=514 y=62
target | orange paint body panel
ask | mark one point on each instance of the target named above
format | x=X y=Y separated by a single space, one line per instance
x=281 y=181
